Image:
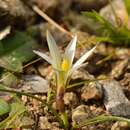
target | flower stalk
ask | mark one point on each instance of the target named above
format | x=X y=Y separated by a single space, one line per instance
x=59 y=98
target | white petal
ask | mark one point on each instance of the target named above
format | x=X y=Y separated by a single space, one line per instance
x=77 y=67
x=44 y=56
x=70 y=50
x=5 y=32
x=54 y=51
x=84 y=57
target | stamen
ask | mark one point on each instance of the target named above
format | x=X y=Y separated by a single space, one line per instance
x=65 y=64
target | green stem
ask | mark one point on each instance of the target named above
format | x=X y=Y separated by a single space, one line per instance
x=38 y=99
x=101 y=119
x=65 y=120
x=61 y=106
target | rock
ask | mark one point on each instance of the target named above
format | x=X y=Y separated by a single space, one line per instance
x=120 y=10
x=115 y=100
x=120 y=69
x=14 y=9
x=81 y=113
x=120 y=126
x=45 y=71
x=70 y=99
x=126 y=80
x=81 y=74
x=35 y=83
x=44 y=124
x=77 y=77
x=92 y=91
x=78 y=74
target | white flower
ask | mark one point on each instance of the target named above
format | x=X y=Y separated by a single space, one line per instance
x=63 y=64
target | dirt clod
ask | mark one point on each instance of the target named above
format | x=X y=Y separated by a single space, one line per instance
x=92 y=91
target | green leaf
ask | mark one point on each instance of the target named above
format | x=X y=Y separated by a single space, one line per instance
x=15 y=116
x=108 y=32
x=9 y=79
x=4 y=107
x=16 y=50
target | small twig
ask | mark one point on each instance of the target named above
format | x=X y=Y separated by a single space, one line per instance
x=105 y=59
x=32 y=62
x=1 y=80
x=47 y=18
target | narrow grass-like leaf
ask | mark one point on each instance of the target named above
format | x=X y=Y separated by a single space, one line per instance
x=101 y=119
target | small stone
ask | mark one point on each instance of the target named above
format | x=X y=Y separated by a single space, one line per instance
x=115 y=100
x=35 y=83
x=81 y=113
x=120 y=126
x=120 y=10
x=45 y=71
x=70 y=99
x=92 y=91
x=44 y=124
x=80 y=74
x=15 y=10
x=120 y=68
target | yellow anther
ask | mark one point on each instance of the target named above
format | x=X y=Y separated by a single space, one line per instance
x=65 y=64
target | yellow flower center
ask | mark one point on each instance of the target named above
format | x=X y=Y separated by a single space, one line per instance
x=65 y=65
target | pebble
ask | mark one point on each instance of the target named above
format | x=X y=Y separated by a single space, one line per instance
x=120 y=10
x=115 y=100
x=70 y=99
x=120 y=126
x=120 y=68
x=81 y=74
x=91 y=91
x=45 y=71
x=35 y=83
x=44 y=124
x=81 y=113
